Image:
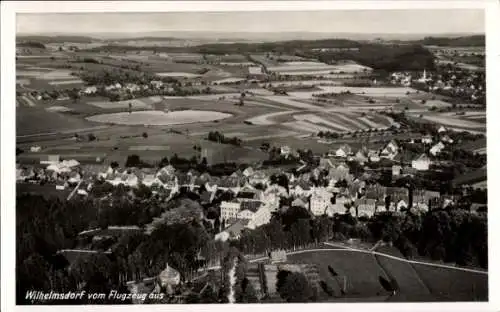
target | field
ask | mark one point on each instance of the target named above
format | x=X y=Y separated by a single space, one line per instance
x=292 y=120
x=315 y=68
x=416 y=282
x=158 y=118
x=475 y=122
x=142 y=103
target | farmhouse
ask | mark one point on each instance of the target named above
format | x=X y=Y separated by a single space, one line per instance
x=343 y=151
x=390 y=150
x=90 y=90
x=396 y=170
x=427 y=139
x=421 y=163
x=436 y=149
x=446 y=139
x=373 y=156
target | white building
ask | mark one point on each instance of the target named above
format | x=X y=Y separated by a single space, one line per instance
x=446 y=139
x=260 y=217
x=437 y=148
x=90 y=90
x=320 y=201
x=366 y=207
x=427 y=139
x=229 y=210
x=343 y=151
x=421 y=163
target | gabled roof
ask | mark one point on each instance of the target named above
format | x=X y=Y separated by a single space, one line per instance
x=423 y=157
x=299 y=202
x=252 y=206
x=365 y=201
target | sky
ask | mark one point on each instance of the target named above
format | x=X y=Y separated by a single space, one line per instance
x=353 y=21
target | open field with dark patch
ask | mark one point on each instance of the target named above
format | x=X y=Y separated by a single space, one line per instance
x=416 y=282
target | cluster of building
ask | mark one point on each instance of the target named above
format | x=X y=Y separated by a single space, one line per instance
x=253 y=197
x=455 y=82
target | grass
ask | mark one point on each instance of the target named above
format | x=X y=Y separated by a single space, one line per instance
x=159 y=118
x=416 y=282
x=454 y=285
x=407 y=278
x=33 y=120
x=361 y=270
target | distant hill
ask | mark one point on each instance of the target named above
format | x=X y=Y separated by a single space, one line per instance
x=467 y=41
x=31 y=44
x=55 y=39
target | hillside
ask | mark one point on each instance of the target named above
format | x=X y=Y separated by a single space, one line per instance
x=466 y=41
x=55 y=39
x=415 y=282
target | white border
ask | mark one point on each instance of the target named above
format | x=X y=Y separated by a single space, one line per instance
x=8 y=138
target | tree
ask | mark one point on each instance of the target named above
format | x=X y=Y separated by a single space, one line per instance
x=92 y=137
x=133 y=161
x=145 y=135
x=294 y=287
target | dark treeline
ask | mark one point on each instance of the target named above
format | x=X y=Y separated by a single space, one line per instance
x=56 y=39
x=466 y=41
x=381 y=57
x=446 y=235
x=31 y=44
x=378 y=56
x=45 y=226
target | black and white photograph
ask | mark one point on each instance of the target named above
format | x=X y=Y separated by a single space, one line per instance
x=249 y=157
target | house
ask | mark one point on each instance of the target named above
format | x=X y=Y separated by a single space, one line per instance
x=339 y=173
x=90 y=90
x=248 y=209
x=437 y=148
x=157 y=84
x=343 y=151
x=302 y=188
x=285 y=151
x=276 y=190
x=320 y=200
x=427 y=139
x=421 y=163
x=446 y=139
x=442 y=129
x=35 y=149
x=339 y=205
x=259 y=177
x=229 y=209
x=373 y=156
x=401 y=205
x=260 y=217
x=229 y=184
x=396 y=170
x=300 y=202
x=249 y=193
x=390 y=150
x=424 y=198
x=248 y=172
x=361 y=156
x=365 y=207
